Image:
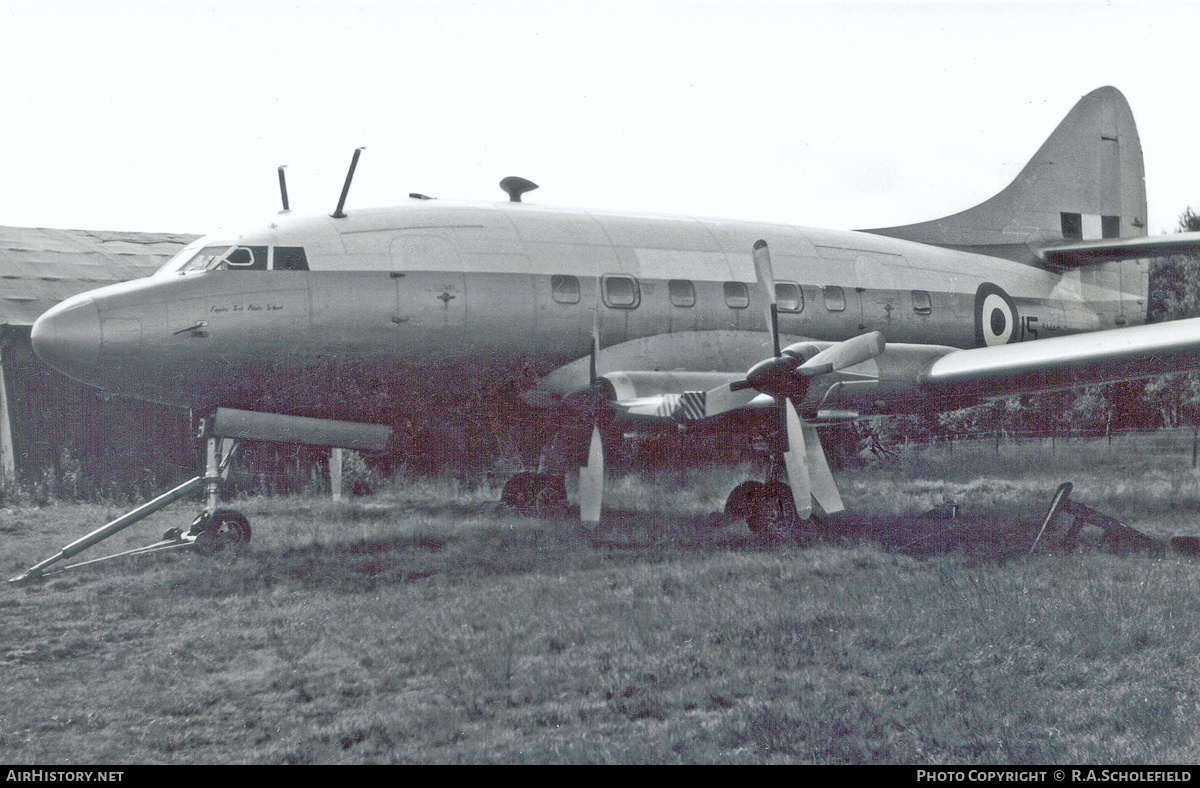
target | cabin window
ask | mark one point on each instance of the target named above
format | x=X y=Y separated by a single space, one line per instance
x=1110 y=226
x=290 y=258
x=565 y=289
x=682 y=292
x=620 y=292
x=1072 y=226
x=789 y=297
x=737 y=295
x=922 y=305
x=835 y=298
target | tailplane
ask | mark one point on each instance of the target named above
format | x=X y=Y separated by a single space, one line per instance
x=1085 y=183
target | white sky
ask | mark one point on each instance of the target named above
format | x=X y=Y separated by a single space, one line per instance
x=173 y=116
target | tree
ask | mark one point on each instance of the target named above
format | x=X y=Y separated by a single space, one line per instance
x=1174 y=295
x=1175 y=281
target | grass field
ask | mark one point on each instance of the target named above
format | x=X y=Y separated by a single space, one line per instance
x=422 y=625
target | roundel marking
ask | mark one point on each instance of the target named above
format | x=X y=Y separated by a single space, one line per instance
x=995 y=316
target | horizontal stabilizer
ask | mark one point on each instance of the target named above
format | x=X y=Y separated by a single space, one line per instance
x=1092 y=252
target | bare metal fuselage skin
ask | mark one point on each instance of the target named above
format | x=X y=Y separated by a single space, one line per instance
x=434 y=304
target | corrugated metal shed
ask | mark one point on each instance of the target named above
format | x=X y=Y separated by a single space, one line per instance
x=48 y=423
x=40 y=267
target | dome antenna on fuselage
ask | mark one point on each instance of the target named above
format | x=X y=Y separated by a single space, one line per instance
x=515 y=187
x=338 y=212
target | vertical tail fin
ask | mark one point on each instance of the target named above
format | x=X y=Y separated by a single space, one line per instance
x=1087 y=181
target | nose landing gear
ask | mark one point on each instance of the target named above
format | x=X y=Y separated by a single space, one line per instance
x=224 y=528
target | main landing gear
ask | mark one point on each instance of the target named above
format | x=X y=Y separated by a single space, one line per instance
x=536 y=494
x=766 y=507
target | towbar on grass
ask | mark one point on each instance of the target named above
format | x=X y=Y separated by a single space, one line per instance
x=1118 y=536
x=103 y=532
x=222 y=424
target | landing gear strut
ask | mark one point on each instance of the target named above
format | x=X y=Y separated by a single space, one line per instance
x=215 y=529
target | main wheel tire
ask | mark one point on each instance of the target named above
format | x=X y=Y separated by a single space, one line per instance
x=743 y=499
x=551 y=497
x=536 y=494
x=775 y=509
x=520 y=491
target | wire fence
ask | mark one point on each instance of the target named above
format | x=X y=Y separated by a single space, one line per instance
x=1180 y=442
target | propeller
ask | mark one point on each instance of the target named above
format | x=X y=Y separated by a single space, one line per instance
x=786 y=376
x=591 y=476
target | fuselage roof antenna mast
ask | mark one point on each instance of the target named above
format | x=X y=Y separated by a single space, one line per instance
x=283 y=188
x=339 y=213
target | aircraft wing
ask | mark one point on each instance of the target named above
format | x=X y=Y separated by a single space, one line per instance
x=1065 y=362
x=1093 y=252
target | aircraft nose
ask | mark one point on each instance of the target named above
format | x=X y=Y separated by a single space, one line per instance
x=68 y=336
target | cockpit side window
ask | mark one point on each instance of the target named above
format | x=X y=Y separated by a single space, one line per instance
x=233 y=258
x=290 y=258
x=246 y=258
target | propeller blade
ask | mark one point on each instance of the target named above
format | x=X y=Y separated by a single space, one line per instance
x=591 y=481
x=844 y=354
x=726 y=398
x=766 y=280
x=594 y=360
x=795 y=460
x=824 y=488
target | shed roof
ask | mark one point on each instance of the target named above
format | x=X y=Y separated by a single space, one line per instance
x=40 y=267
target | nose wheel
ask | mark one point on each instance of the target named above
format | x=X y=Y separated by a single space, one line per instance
x=223 y=528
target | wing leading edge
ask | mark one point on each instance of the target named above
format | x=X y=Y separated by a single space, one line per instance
x=1066 y=362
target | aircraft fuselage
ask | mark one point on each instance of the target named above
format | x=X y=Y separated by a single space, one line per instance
x=437 y=303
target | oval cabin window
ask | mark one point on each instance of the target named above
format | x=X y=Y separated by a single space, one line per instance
x=835 y=298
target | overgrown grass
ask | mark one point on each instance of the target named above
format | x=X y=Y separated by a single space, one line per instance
x=422 y=625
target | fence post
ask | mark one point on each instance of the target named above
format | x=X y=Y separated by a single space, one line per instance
x=335 y=473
